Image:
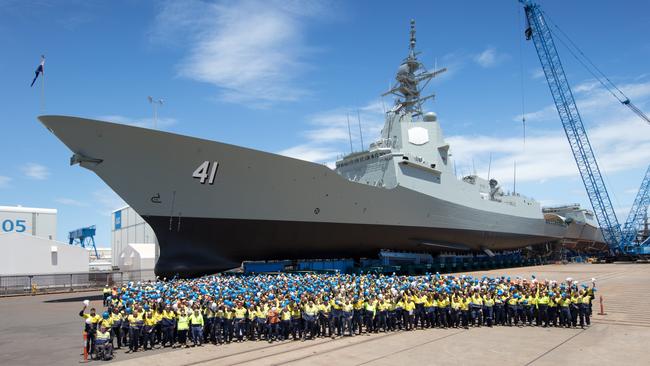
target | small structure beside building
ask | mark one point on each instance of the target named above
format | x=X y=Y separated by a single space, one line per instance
x=137 y=257
x=127 y=227
x=137 y=262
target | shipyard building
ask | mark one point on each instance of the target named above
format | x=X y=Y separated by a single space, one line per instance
x=28 y=241
x=133 y=242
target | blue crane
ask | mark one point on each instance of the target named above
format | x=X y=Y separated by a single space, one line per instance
x=637 y=216
x=620 y=240
x=84 y=237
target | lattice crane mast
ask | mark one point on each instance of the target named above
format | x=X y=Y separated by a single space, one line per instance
x=619 y=240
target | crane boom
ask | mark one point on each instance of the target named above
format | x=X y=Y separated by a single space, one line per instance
x=638 y=211
x=573 y=126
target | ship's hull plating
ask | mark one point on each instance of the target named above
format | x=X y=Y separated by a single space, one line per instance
x=202 y=245
x=266 y=206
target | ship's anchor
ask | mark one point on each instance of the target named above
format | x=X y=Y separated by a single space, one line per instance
x=156 y=198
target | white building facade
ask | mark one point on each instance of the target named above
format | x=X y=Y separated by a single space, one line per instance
x=40 y=222
x=127 y=227
x=29 y=255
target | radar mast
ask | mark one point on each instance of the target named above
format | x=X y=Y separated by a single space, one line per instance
x=411 y=79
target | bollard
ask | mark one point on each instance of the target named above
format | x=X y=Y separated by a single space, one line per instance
x=602 y=307
x=85 y=346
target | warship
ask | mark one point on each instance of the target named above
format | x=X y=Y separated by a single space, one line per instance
x=213 y=205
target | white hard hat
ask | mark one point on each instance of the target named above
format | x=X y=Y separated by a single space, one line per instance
x=86 y=302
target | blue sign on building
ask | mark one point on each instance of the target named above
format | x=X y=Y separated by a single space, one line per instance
x=118 y=220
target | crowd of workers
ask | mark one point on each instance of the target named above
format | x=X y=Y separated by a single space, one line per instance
x=225 y=308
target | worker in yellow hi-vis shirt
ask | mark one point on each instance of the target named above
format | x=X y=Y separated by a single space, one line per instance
x=90 y=327
x=196 y=324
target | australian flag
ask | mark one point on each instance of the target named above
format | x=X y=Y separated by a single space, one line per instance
x=39 y=69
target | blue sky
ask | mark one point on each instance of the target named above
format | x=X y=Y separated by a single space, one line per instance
x=280 y=76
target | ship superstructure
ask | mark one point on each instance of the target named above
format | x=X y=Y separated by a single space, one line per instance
x=412 y=152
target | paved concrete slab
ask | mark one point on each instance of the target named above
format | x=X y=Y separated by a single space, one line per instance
x=36 y=331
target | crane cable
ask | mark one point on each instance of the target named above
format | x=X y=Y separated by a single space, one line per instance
x=597 y=74
x=521 y=76
x=625 y=100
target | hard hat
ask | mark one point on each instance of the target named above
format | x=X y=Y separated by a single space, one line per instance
x=86 y=302
x=105 y=315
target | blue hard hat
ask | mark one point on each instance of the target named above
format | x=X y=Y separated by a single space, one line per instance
x=105 y=315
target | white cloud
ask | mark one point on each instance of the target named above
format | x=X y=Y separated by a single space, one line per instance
x=547 y=113
x=586 y=86
x=596 y=105
x=537 y=73
x=4 y=181
x=620 y=141
x=312 y=153
x=251 y=50
x=107 y=201
x=490 y=58
x=70 y=202
x=330 y=137
x=36 y=171
x=161 y=123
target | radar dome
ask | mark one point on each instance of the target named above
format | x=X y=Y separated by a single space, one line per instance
x=430 y=117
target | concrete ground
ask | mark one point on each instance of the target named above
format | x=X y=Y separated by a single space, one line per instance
x=46 y=330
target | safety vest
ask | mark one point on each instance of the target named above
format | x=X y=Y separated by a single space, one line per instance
x=102 y=335
x=543 y=300
x=240 y=313
x=325 y=308
x=150 y=321
x=286 y=315
x=107 y=322
x=312 y=310
x=464 y=304
x=116 y=318
x=136 y=320
x=370 y=306
x=476 y=300
x=565 y=303
x=183 y=322
x=409 y=306
x=295 y=311
x=196 y=319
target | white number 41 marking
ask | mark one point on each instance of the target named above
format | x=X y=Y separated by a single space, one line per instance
x=201 y=173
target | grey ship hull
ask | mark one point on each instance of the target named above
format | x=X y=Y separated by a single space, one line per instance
x=266 y=206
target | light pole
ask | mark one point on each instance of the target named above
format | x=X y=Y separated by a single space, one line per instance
x=155 y=109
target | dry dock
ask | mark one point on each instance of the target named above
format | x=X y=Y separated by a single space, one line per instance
x=47 y=330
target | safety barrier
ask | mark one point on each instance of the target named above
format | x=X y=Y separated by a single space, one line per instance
x=85 y=347
x=47 y=283
x=602 y=307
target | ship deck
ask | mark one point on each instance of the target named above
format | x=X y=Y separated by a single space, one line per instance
x=37 y=331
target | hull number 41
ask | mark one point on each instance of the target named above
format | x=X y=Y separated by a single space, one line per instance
x=206 y=172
